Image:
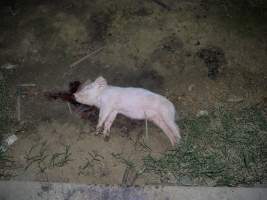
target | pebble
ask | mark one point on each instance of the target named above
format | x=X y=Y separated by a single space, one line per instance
x=202 y=113
x=7 y=142
x=190 y=87
x=186 y=181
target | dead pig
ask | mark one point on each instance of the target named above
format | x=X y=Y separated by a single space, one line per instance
x=135 y=103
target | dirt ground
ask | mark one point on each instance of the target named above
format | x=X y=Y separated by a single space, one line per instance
x=192 y=52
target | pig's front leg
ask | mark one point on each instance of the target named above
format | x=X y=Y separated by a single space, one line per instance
x=108 y=123
x=103 y=114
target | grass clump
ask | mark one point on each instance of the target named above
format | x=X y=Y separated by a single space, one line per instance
x=40 y=157
x=225 y=148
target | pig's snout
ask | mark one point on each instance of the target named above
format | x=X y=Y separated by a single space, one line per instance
x=76 y=96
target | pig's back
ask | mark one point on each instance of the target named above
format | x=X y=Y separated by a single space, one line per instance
x=134 y=102
x=136 y=95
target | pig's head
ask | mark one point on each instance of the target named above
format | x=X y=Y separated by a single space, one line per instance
x=90 y=91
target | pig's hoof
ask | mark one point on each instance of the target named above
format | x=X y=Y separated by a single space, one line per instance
x=98 y=131
x=106 y=138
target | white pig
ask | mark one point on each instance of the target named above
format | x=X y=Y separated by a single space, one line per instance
x=135 y=103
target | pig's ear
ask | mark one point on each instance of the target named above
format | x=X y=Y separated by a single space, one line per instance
x=101 y=82
x=88 y=82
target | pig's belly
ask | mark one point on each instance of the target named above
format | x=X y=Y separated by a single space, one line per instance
x=137 y=113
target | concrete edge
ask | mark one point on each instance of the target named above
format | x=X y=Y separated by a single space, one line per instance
x=21 y=190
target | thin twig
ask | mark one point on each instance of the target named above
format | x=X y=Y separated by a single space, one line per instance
x=18 y=105
x=85 y=57
x=146 y=128
x=129 y=177
x=163 y=5
x=69 y=108
x=125 y=176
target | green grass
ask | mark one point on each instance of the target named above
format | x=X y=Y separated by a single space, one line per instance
x=94 y=163
x=123 y=160
x=60 y=159
x=39 y=156
x=224 y=148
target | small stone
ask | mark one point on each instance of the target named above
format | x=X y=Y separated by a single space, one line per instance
x=11 y=139
x=186 y=180
x=190 y=87
x=8 y=142
x=202 y=113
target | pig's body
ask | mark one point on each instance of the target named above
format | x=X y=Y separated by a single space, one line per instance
x=135 y=103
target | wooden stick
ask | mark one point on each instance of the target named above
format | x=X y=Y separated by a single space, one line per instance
x=85 y=57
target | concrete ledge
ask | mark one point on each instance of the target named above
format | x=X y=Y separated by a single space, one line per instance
x=15 y=190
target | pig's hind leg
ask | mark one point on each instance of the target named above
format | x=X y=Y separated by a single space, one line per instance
x=161 y=124
x=108 y=124
x=169 y=119
x=174 y=128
